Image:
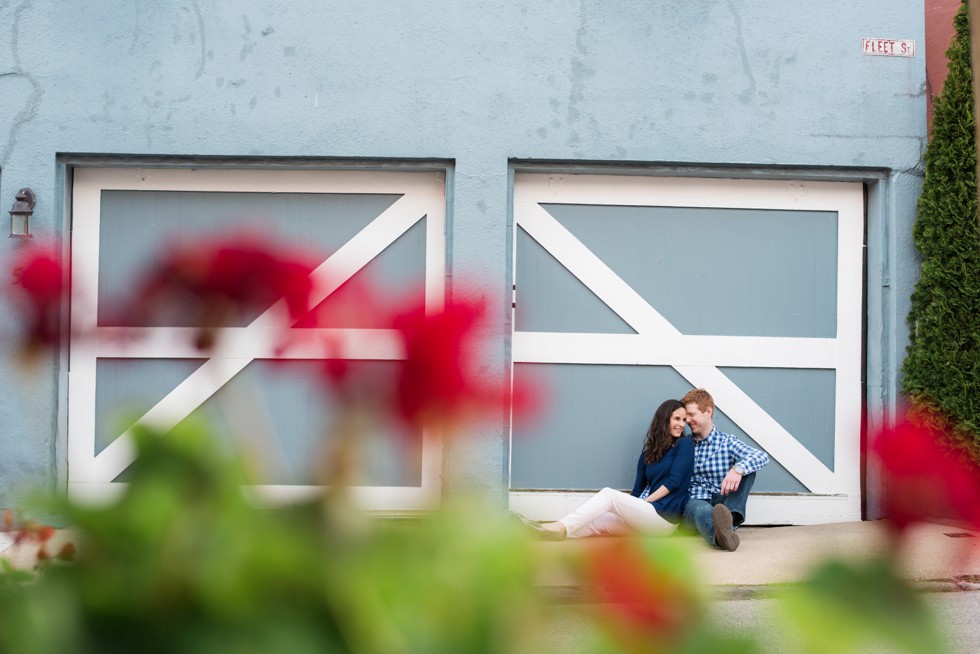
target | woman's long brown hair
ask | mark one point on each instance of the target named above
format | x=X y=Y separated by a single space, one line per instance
x=658 y=439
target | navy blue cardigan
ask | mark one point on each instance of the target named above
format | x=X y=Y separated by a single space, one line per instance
x=673 y=471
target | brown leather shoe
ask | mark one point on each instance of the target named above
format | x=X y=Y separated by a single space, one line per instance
x=725 y=536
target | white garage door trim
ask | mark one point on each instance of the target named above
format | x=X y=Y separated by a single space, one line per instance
x=422 y=195
x=698 y=358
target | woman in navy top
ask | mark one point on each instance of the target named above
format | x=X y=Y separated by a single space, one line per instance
x=663 y=475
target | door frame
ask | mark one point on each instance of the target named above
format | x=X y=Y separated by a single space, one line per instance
x=423 y=194
x=835 y=494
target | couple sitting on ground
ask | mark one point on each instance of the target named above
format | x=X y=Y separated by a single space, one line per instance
x=703 y=480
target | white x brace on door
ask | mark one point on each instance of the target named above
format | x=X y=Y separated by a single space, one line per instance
x=827 y=488
x=410 y=201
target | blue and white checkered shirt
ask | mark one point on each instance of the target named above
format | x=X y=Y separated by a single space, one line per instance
x=714 y=456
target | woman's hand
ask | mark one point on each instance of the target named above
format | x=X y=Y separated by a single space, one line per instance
x=660 y=493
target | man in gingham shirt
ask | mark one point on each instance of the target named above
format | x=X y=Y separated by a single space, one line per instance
x=724 y=471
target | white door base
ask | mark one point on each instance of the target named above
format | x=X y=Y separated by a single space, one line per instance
x=763 y=508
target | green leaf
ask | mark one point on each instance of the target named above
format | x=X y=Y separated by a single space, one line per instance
x=848 y=607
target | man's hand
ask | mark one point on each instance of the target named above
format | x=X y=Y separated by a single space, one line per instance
x=730 y=483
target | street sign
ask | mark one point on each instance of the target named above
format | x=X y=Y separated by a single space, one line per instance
x=888 y=47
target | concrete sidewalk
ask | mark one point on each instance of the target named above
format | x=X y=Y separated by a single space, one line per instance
x=934 y=556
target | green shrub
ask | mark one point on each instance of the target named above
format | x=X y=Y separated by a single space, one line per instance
x=185 y=562
x=942 y=367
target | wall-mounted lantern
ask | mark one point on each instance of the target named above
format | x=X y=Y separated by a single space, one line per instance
x=21 y=212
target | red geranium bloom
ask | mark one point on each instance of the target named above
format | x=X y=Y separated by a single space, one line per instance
x=67 y=552
x=40 y=278
x=436 y=378
x=925 y=479
x=645 y=601
x=220 y=282
x=435 y=381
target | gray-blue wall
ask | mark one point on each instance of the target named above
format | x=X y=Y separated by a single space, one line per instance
x=761 y=88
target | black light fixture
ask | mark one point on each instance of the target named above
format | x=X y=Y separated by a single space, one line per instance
x=21 y=212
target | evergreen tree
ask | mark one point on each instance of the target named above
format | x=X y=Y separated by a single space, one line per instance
x=942 y=366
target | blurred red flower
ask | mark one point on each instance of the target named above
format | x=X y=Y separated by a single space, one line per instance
x=45 y=533
x=40 y=279
x=32 y=530
x=646 y=601
x=223 y=281
x=67 y=552
x=435 y=376
x=436 y=381
x=925 y=477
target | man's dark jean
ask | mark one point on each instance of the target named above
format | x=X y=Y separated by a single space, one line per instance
x=697 y=513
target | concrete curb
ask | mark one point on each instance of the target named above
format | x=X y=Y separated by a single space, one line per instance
x=768 y=591
x=573 y=595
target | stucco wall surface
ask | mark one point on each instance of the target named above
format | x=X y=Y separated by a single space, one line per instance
x=763 y=84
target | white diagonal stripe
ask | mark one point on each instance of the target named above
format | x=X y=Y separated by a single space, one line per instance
x=165 y=414
x=217 y=371
x=592 y=271
x=646 y=320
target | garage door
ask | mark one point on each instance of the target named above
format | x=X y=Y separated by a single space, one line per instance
x=630 y=290
x=386 y=227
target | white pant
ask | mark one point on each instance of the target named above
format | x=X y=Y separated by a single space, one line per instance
x=611 y=512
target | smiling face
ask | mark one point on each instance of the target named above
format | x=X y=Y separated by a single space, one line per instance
x=677 y=423
x=699 y=421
